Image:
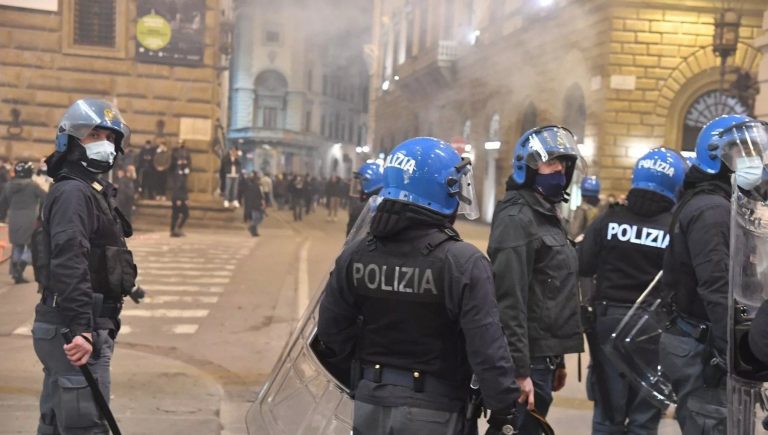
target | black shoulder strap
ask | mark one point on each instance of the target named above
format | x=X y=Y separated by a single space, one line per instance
x=436 y=239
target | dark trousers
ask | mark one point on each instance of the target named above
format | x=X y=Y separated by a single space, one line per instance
x=179 y=214
x=701 y=410
x=625 y=410
x=253 y=224
x=67 y=406
x=408 y=420
x=542 y=375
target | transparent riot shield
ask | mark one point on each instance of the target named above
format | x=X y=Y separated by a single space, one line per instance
x=748 y=290
x=634 y=346
x=301 y=396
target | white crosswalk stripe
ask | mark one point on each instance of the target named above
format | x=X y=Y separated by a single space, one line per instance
x=184 y=280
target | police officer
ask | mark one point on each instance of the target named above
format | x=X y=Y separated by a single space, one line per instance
x=370 y=179
x=83 y=267
x=693 y=349
x=413 y=305
x=588 y=209
x=535 y=267
x=624 y=248
x=20 y=200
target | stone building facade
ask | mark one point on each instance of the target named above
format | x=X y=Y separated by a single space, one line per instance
x=45 y=66
x=624 y=75
x=299 y=86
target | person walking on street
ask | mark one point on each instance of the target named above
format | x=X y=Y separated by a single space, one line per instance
x=535 y=267
x=179 y=194
x=229 y=177
x=20 y=202
x=297 y=192
x=254 y=203
x=695 y=275
x=83 y=266
x=332 y=187
x=266 y=189
x=624 y=267
x=125 y=193
x=428 y=320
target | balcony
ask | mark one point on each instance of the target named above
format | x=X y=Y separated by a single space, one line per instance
x=430 y=71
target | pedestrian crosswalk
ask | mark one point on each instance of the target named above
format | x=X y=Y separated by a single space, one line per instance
x=184 y=279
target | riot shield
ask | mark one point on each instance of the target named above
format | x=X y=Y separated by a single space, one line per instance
x=634 y=346
x=301 y=396
x=748 y=290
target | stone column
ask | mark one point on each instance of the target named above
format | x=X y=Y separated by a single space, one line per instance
x=241 y=79
x=761 y=103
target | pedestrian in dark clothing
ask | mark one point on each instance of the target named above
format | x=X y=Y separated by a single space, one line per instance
x=145 y=170
x=535 y=267
x=179 y=197
x=280 y=189
x=298 y=193
x=624 y=267
x=253 y=203
x=125 y=194
x=84 y=269
x=229 y=177
x=417 y=333
x=332 y=188
x=20 y=202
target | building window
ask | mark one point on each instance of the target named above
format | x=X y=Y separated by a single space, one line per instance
x=95 y=27
x=95 y=23
x=708 y=106
x=351 y=132
x=322 y=125
x=272 y=36
x=309 y=80
x=308 y=121
x=410 y=34
x=270 y=117
x=423 y=25
x=448 y=8
x=325 y=84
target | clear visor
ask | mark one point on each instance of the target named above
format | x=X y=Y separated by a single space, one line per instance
x=744 y=143
x=467 y=198
x=550 y=143
x=86 y=114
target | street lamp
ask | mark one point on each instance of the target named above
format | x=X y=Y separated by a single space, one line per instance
x=726 y=37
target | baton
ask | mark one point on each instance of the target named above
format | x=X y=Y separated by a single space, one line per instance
x=94 y=386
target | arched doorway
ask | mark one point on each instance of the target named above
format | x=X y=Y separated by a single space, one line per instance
x=271 y=88
x=575 y=111
x=705 y=108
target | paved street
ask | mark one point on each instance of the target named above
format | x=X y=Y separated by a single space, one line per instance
x=220 y=306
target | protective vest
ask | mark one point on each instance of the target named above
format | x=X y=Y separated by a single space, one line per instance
x=110 y=263
x=631 y=253
x=400 y=290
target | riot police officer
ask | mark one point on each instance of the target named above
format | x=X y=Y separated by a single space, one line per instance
x=693 y=349
x=370 y=179
x=535 y=267
x=589 y=208
x=413 y=305
x=624 y=248
x=82 y=265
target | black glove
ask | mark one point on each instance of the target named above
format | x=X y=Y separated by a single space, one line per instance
x=502 y=424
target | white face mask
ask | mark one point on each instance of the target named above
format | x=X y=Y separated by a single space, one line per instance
x=749 y=172
x=102 y=151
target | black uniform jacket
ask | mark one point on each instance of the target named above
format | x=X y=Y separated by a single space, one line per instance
x=697 y=260
x=535 y=270
x=73 y=219
x=467 y=289
x=625 y=251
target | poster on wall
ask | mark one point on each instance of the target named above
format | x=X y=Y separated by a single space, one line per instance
x=171 y=32
x=40 y=5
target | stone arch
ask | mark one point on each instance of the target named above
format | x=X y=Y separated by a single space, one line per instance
x=271 y=88
x=695 y=75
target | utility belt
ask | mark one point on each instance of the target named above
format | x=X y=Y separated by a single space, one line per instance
x=416 y=380
x=694 y=328
x=109 y=310
x=550 y=362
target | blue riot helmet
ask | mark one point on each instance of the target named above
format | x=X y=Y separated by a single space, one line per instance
x=85 y=115
x=660 y=170
x=371 y=177
x=708 y=150
x=590 y=186
x=543 y=144
x=429 y=173
x=744 y=148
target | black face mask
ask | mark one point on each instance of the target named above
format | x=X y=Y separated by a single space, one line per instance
x=550 y=185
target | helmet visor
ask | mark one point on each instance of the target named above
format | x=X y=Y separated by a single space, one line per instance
x=552 y=142
x=744 y=142
x=466 y=193
x=86 y=114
